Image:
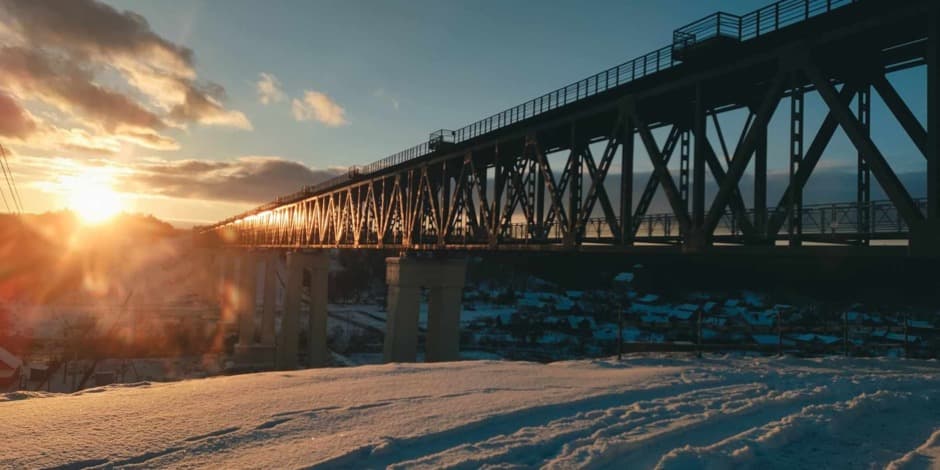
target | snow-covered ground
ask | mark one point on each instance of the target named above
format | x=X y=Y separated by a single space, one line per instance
x=666 y=411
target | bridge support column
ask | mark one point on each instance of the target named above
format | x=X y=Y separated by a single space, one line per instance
x=318 y=354
x=404 y=300
x=443 y=335
x=227 y=286
x=269 y=299
x=248 y=353
x=405 y=277
x=288 y=338
x=287 y=341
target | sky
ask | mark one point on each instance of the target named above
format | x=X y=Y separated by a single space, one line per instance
x=197 y=110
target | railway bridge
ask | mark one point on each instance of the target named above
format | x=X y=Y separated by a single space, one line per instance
x=558 y=172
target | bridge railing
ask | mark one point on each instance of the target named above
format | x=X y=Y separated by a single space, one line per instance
x=820 y=220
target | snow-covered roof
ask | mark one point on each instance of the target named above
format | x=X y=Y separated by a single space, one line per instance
x=856 y=316
x=530 y=302
x=624 y=277
x=732 y=302
x=648 y=298
x=900 y=337
x=766 y=340
x=715 y=321
x=555 y=337
x=687 y=307
x=709 y=306
x=926 y=325
x=8 y=360
x=654 y=318
x=681 y=314
x=753 y=298
x=574 y=321
x=564 y=304
x=574 y=294
x=812 y=337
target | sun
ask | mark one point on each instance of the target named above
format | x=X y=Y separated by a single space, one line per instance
x=91 y=196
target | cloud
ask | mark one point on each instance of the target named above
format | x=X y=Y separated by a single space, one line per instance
x=269 y=89
x=247 y=179
x=62 y=83
x=93 y=29
x=390 y=97
x=15 y=122
x=203 y=105
x=317 y=106
x=62 y=52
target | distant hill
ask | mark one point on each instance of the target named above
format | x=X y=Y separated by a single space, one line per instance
x=43 y=256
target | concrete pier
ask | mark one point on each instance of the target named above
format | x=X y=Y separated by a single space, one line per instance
x=269 y=298
x=249 y=353
x=246 y=298
x=287 y=340
x=444 y=278
x=318 y=354
x=317 y=265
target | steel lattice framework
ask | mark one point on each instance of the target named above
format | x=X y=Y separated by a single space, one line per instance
x=537 y=176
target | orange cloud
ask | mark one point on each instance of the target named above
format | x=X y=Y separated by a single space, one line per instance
x=317 y=106
x=56 y=49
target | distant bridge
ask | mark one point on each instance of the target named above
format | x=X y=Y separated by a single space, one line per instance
x=533 y=177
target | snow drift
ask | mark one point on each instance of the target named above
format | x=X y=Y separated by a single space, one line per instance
x=647 y=411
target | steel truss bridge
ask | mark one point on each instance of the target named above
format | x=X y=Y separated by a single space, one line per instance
x=538 y=176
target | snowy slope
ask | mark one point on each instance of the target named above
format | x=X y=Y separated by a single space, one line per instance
x=669 y=411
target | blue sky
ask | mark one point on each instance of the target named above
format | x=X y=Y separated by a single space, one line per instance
x=393 y=70
x=446 y=63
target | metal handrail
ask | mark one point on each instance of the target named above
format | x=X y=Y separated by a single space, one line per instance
x=752 y=25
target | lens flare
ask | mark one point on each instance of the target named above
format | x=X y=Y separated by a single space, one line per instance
x=91 y=196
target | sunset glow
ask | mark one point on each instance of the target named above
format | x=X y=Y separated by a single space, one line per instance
x=92 y=197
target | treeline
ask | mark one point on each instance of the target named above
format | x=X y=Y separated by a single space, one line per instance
x=42 y=256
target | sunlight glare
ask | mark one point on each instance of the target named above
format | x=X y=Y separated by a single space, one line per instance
x=91 y=195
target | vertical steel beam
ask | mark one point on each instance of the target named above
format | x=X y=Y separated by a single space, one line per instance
x=698 y=172
x=626 y=182
x=795 y=223
x=574 y=187
x=760 y=183
x=539 y=190
x=933 y=118
x=863 y=182
x=684 y=153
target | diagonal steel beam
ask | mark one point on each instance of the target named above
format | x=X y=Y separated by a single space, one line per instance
x=743 y=154
x=661 y=171
x=902 y=113
x=737 y=202
x=597 y=175
x=652 y=184
x=557 y=208
x=879 y=166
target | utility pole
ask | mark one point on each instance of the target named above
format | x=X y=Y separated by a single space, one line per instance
x=620 y=330
x=906 y=350
x=699 y=332
x=845 y=334
x=779 y=335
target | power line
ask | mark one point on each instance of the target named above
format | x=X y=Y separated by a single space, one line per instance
x=7 y=178
x=16 y=190
x=3 y=195
x=11 y=182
